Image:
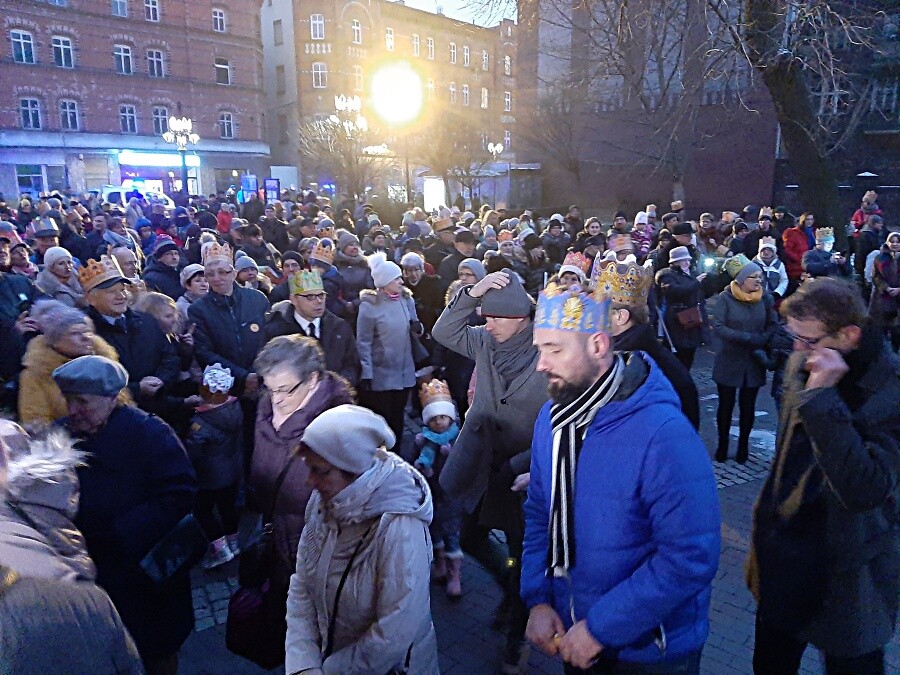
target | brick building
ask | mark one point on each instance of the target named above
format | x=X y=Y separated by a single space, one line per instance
x=87 y=86
x=315 y=51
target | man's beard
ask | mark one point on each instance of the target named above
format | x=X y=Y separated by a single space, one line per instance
x=565 y=393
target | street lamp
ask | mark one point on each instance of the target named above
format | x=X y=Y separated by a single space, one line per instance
x=181 y=133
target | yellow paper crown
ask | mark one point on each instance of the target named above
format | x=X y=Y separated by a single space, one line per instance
x=621 y=242
x=326 y=233
x=824 y=233
x=323 y=254
x=571 y=309
x=95 y=272
x=217 y=251
x=436 y=390
x=305 y=281
x=623 y=283
x=577 y=260
x=505 y=235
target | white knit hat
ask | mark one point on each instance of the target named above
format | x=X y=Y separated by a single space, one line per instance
x=348 y=436
x=55 y=254
x=383 y=270
x=436 y=408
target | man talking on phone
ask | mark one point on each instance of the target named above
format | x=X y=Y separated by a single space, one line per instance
x=825 y=548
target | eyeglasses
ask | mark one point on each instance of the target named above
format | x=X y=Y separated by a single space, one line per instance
x=313 y=296
x=809 y=342
x=285 y=392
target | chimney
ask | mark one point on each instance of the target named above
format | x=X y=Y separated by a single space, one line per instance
x=440 y=10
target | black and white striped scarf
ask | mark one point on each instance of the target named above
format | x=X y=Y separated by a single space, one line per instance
x=570 y=424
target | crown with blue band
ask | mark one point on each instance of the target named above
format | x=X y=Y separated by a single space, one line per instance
x=572 y=309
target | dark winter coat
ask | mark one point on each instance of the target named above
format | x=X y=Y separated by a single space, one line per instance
x=272 y=450
x=336 y=338
x=74 y=243
x=136 y=486
x=355 y=274
x=751 y=242
x=867 y=241
x=640 y=337
x=436 y=253
x=678 y=291
x=825 y=548
x=163 y=279
x=143 y=349
x=253 y=210
x=818 y=263
x=17 y=293
x=275 y=232
x=214 y=444
x=261 y=255
x=429 y=297
x=448 y=270
x=230 y=330
x=741 y=328
x=556 y=247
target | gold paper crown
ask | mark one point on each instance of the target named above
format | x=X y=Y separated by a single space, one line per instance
x=505 y=235
x=97 y=271
x=578 y=260
x=623 y=283
x=651 y=208
x=824 y=233
x=323 y=254
x=621 y=242
x=765 y=211
x=217 y=251
x=305 y=281
x=436 y=390
x=326 y=232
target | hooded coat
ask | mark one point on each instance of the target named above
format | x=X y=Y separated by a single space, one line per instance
x=40 y=400
x=163 y=279
x=214 y=444
x=69 y=294
x=356 y=275
x=384 y=341
x=383 y=616
x=647 y=532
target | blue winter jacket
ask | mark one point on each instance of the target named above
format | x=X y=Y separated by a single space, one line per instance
x=647 y=524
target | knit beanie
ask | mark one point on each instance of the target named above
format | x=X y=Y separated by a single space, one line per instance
x=383 y=270
x=346 y=238
x=245 y=263
x=739 y=267
x=489 y=232
x=55 y=254
x=511 y=301
x=475 y=266
x=412 y=260
x=347 y=437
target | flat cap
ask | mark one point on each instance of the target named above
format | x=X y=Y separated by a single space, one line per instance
x=96 y=375
x=348 y=436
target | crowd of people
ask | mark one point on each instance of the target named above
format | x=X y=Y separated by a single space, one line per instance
x=179 y=374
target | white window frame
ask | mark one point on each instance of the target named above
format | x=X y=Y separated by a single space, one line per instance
x=224 y=67
x=507 y=140
x=277 y=32
x=63 y=46
x=416 y=45
x=156 y=62
x=69 y=116
x=358 y=78
x=160 y=116
x=452 y=92
x=280 y=79
x=507 y=65
x=485 y=59
x=429 y=88
x=485 y=97
x=316 y=26
x=452 y=52
x=507 y=101
x=123 y=55
x=356 y=31
x=320 y=75
x=127 y=118
x=151 y=10
x=430 y=48
x=25 y=41
x=467 y=56
x=30 y=107
x=119 y=8
x=465 y=95
x=219 y=20
x=226 y=125
x=389 y=39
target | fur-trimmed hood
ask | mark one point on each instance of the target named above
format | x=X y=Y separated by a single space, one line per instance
x=373 y=296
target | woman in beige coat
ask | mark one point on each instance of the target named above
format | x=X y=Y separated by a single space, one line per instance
x=359 y=600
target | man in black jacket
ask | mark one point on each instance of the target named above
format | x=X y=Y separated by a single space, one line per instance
x=274 y=230
x=162 y=273
x=305 y=314
x=443 y=242
x=463 y=247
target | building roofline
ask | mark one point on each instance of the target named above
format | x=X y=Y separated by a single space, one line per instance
x=401 y=7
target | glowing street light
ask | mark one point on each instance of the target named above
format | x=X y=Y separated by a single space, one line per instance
x=180 y=133
x=495 y=149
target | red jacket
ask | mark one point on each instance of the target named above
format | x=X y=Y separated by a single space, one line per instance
x=224 y=218
x=795 y=245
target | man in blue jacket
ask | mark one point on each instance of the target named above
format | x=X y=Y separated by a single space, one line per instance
x=622 y=517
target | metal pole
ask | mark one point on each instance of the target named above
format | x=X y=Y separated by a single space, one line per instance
x=184 y=173
x=409 y=198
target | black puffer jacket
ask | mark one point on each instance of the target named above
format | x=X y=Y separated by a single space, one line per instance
x=215 y=446
x=678 y=291
x=163 y=279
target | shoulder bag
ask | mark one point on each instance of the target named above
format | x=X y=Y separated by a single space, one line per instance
x=690 y=318
x=176 y=553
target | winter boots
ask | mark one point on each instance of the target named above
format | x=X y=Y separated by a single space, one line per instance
x=217 y=554
x=439 y=566
x=454 y=573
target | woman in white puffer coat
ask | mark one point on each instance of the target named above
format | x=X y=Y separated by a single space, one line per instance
x=359 y=599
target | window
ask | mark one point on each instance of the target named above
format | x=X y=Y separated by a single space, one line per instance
x=356 y=28
x=452 y=52
x=226 y=125
x=151 y=10
x=68 y=115
x=63 y=54
x=357 y=78
x=466 y=58
x=453 y=92
x=484 y=98
x=123 y=59
x=389 y=39
x=127 y=119
x=22 y=46
x=507 y=101
x=430 y=46
x=429 y=87
x=156 y=64
x=317 y=27
x=507 y=140
x=218 y=17
x=223 y=71
x=120 y=7
x=465 y=93
x=417 y=47
x=319 y=75
x=59 y=3
x=280 y=80
x=160 y=120
x=485 y=59
x=507 y=65
x=30 y=110
x=283 y=129
x=277 y=32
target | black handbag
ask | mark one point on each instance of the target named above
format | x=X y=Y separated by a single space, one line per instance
x=177 y=552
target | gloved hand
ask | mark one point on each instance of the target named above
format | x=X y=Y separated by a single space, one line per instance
x=365 y=385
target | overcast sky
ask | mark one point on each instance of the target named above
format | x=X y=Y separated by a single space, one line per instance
x=457 y=9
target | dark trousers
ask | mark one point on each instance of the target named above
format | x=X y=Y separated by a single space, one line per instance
x=225 y=501
x=746 y=415
x=162 y=665
x=686 y=665
x=777 y=653
x=390 y=405
x=686 y=356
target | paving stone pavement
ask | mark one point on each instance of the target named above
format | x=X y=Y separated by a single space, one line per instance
x=468 y=645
